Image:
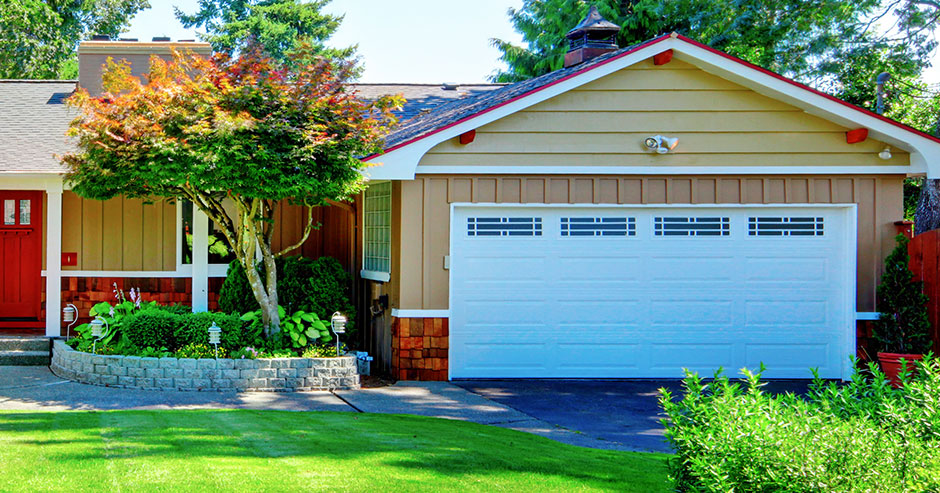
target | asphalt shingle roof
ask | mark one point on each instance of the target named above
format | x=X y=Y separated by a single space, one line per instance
x=34 y=117
x=421 y=97
x=33 y=121
x=454 y=111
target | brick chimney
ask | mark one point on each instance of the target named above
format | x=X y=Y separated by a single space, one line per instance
x=92 y=55
x=594 y=36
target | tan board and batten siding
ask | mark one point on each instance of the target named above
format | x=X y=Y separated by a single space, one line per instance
x=119 y=234
x=603 y=123
x=124 y=234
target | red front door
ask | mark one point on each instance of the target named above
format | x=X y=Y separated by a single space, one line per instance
x=20 y=253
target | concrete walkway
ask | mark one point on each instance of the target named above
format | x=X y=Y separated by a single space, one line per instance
x=35 y=388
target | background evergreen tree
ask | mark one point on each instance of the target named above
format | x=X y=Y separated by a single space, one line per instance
x=903 y=325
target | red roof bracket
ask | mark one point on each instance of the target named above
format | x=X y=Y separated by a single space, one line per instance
x=467 y=137
x=856 y=136
x=662 y=58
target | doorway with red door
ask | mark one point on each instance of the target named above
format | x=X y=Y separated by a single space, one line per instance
x=20 y=258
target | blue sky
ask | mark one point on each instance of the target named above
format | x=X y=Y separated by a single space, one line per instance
x=427 y=41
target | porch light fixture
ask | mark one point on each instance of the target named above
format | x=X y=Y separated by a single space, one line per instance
x=886 y=153
x=661 y=144
x=69 y=316
x=215 y=337
x=97 y=330
x=338 y=323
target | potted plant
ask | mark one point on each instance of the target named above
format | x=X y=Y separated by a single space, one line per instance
x=902 y=327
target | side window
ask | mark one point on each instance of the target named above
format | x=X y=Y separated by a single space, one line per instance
x=377 y=232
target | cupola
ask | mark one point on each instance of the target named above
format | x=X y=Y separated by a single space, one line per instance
x=594 y=36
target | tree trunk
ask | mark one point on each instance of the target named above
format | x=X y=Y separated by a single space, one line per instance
x=263 y=294
x=927 y=216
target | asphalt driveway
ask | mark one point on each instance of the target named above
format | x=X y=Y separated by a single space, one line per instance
x=623 y=413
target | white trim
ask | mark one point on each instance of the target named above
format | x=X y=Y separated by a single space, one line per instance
x=851 y=227
x=867 y=315
x=402 y=163
x=215 y=270
x=375 y=276
x=650 y=206
x=200 y=261
x=53 y=258
x=371 y=274
x=185 y=273
x=664 y=170
x=420 y=313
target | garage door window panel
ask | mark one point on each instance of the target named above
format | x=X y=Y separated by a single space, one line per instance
x=504 y=226
x=785 y=226
x=691 y=226
x=598 y=226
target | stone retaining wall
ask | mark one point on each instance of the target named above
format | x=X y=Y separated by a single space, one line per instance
x=257 y=375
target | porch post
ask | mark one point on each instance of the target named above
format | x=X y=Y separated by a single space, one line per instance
x=200 y=261
x=53 y=234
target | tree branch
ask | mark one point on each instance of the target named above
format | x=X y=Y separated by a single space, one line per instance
x=307 y=230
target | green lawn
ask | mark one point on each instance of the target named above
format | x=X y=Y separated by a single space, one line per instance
x=283 y=451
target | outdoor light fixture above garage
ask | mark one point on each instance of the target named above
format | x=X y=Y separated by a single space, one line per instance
x=661 y=144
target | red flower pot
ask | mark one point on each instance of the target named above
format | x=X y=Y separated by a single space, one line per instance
x=891 y=365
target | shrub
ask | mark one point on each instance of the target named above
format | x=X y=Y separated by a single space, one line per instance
x=151 y=328
x=246 y=353
x=318 y=286
x=903 y=325
x=861 y=436
x=323 y=351
x=198 y=351
x=193 y=328
x=176 y=309
x=235 y=295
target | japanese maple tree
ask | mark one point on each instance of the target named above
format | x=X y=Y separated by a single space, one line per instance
x=250 y=129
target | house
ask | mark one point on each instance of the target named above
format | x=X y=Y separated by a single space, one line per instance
x=637 y=212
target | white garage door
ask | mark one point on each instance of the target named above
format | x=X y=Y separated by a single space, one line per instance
x=621 y=292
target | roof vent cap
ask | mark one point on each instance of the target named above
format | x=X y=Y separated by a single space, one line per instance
x=450 y=86
x=101 y=37
x=161 y=39
x=128 y=40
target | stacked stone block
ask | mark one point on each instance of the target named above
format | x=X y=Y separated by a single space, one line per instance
x=258 y=375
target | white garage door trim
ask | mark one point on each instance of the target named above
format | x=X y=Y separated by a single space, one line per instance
x=849 y=233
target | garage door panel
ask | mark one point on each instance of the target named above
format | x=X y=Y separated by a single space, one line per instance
x=691 y=312
x=598 y=269
x=806 y=313
x=692 y=268
x=788 y=360
x=786 y=269
x=642 y=305
x=694 y=356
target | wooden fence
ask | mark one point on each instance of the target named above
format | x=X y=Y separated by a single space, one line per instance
x=924 y=250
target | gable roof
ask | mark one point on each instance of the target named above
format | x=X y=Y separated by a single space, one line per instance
x=406 y=145
x=33 y=121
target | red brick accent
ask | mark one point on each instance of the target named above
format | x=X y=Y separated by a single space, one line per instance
x=85 y=292
x=419 y=348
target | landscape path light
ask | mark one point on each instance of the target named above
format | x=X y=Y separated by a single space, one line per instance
x=97 y=326
x=215 y=337
x=338 y=323
x=69 y=316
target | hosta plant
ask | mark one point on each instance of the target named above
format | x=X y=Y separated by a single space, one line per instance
x=301 y=328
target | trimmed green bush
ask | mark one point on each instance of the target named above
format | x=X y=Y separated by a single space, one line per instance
x=861 y=436
x=193 y=329
x=177 y=309
x=151 y=328
x=235 y=295
x=318 y=286
x=903 y=326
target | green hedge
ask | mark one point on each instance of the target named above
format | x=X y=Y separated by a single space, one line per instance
x=152 y=328
x=319 y=286
x=160 y=328
x=193 y=329
x=861 y=436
